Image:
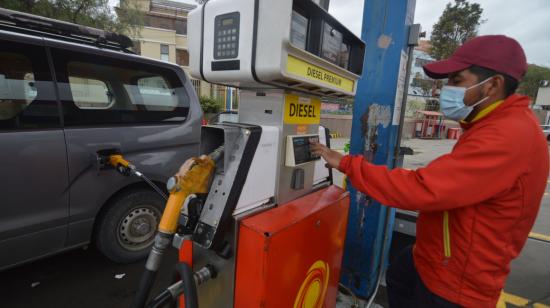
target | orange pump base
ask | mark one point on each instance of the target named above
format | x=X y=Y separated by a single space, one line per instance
x=291 y=255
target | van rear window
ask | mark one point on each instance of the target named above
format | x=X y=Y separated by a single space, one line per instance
x=27 y=98
x=17 y=89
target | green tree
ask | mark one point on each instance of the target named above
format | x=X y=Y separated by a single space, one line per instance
x=93 y=13
x=458 y=23
x=210 y=105
x=531 y=81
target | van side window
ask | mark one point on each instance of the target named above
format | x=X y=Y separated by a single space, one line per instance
x=156 y=94
x=27 y=100
x=90 y=93
x=101 y=90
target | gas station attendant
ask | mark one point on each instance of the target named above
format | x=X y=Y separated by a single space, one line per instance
x=476 y=204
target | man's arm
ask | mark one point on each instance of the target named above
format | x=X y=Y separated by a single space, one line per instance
x=480 y=168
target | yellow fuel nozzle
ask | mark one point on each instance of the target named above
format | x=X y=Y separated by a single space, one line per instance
x=120 y=164
x=195 y=180
x=116 y=159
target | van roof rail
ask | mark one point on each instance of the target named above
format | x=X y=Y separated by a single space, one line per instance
x=62 y=29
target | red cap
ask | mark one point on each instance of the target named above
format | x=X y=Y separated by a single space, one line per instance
x=496 y=52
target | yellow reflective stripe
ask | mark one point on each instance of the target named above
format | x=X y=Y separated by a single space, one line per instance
x=539 y=236
x=446 y=235
x=486 y=111
x=518 y=301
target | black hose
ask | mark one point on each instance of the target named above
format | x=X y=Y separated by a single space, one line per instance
x=154 y=186
x=217 y=154
x=189 y=288
x=144 y=288
x=161 y=300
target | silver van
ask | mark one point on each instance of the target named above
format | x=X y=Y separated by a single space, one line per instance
x=66 y=93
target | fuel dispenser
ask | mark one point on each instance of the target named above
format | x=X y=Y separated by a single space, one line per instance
x=270 y=229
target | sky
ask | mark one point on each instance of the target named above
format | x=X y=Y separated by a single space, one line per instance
x=527 y=21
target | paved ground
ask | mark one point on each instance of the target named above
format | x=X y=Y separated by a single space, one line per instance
x=79 y=278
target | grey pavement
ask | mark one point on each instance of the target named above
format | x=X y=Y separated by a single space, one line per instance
x=425 y=150
x=542 y=225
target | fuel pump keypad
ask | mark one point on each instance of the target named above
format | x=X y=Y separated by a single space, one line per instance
x=226 y=36
x=298 y=150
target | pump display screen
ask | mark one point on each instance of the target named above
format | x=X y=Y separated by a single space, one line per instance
x=298 y=30
x=332 y=44
x=344 y=56
x=302 y=151
x=228 y=22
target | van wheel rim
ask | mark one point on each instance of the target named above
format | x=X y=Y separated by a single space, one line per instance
x=136 y=230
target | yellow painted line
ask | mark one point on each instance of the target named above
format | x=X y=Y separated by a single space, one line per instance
x=507 y=298
x=539 y=236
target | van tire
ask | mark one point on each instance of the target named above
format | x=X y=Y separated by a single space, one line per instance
x=125 y=231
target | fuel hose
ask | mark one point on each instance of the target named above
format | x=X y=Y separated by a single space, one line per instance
x=196 y=180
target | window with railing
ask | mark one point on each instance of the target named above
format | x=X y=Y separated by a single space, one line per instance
x=181 y=26
x=159 y=22
x=168 y=23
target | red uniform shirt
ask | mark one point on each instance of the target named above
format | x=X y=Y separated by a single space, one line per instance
x=476 y=205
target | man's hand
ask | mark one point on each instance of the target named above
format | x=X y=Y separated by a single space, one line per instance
x=332 y=158
x=187 y=165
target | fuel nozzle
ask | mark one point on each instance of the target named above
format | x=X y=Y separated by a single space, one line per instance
x=194 y=180
x=121 y=165
x=112 y=158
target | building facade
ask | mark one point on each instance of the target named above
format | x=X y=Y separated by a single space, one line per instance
x=164 y=37
x=420 y=84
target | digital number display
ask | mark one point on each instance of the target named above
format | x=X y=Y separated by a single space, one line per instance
x=228 y=22
x=344 y=56
x=332 y=44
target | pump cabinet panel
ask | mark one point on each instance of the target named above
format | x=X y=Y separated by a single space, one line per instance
x=290 y=256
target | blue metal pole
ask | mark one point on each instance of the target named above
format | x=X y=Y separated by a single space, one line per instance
x=228 y=98
x=374 y=132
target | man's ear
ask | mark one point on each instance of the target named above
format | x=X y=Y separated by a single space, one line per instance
x=496 y=85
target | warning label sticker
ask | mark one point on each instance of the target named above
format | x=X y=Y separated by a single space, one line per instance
x=302 y=110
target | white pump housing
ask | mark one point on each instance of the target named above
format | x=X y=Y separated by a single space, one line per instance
x=292 y=44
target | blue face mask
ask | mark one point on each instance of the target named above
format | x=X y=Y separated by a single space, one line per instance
x=451 y=102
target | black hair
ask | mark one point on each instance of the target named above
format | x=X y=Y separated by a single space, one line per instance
x=482 y=73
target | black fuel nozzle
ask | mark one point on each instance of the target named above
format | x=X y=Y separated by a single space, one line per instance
x=125 y=170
